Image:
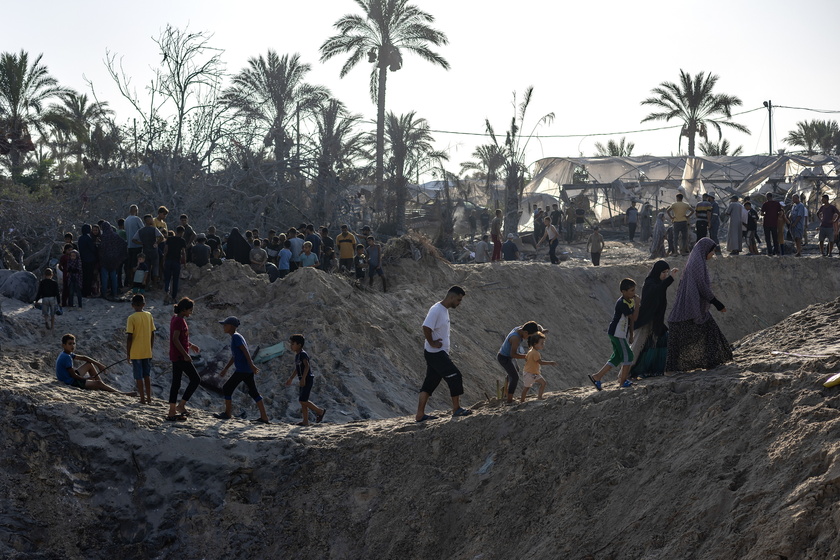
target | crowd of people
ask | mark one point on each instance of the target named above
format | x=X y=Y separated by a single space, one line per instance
x=779 y=222
x=146 y=253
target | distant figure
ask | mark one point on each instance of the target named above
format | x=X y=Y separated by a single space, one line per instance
x=485 y=220
x=680 y=212
x=48 y=293
x=174 y=253
x=631 y=217
x=657 y=243
x=646 y=221
x=244 y=371
x=141 y=275
x=797 y=223
x=439 y=366
x=482 y=250
x=556 y=217
x=553 y=237
x=140 y=342
x=200 y=253
x=306 y=380
x=346 y=242
x=87 y=376
x=714 y=220
x=496 y=236
x=510 y=252
x=828 y=216
x=360 y=263
x=703 y=212
x=737 y=221
x=771 y=210
x=752 y=228
x=620 y=332
x=258 y=257
x=694 y=339
x=473 y=224
x=532 y=373
x=374 y=258
x=595 y=246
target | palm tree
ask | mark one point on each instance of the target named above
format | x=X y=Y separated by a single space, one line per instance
x=24 y=89
x=337 y=148
x=271 y=93
x=616 y=149
x=386 y=29
x=722 y=148
x=489 y=159
x=75 y=117
x=513 y=150
x=693 y=102
x=409 y=144
x=815 y=136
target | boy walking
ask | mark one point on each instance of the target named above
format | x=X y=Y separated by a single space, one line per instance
x=244 y=371
x=620 y=332
x=436 y=352
x=48 y=293
x=140 y=341
x=595 y=245
x=306 y=379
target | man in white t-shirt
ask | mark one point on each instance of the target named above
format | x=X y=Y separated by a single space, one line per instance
x=436 y=352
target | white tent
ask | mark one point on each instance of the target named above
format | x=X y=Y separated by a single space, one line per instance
x=611 y=182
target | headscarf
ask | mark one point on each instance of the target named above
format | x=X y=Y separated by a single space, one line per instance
x=87 y=246
x=238 y=247
x=658 y=232
x=112 y=249
x=654 y=299
x=695 y=291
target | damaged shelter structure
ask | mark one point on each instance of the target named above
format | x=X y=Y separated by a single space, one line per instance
x=607 y=185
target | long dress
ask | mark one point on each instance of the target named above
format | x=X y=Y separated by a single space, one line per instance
x=694 y=339
x=650 y=342
x=735 y=238
x=657 y=244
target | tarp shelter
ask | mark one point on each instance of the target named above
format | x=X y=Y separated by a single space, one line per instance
x=611 y=183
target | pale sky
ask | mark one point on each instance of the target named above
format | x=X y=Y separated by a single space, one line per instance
x=591 y=63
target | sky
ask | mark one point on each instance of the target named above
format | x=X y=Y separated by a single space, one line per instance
x=590 y=63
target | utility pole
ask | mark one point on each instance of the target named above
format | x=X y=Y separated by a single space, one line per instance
x=769 y=105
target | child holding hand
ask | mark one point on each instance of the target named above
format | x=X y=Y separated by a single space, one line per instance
x=533 y=361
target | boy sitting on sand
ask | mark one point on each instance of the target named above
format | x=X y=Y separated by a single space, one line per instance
x=307 y=380
x=66 y=373
x=620 y=332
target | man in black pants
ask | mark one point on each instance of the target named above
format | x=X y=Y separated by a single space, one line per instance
x=439 y=366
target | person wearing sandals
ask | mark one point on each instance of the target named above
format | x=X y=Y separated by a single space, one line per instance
x=436 y=352
x=244 y=370
x=306 y=379
x=179 y=354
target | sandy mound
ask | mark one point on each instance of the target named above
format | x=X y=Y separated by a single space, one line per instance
x=732 y=463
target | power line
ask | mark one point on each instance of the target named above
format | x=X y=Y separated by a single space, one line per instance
x=590 y=134
x=828 y=111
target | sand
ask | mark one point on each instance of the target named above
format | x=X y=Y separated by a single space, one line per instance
x=737 y=462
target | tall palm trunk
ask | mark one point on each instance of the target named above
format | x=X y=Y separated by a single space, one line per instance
x=380 y=127
x=512 y=202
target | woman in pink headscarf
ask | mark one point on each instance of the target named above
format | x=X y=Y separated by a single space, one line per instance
x=694 y=339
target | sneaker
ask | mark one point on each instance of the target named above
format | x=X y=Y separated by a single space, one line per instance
x=627 y=383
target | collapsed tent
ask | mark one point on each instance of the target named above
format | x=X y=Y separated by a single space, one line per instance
x=610 y=183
